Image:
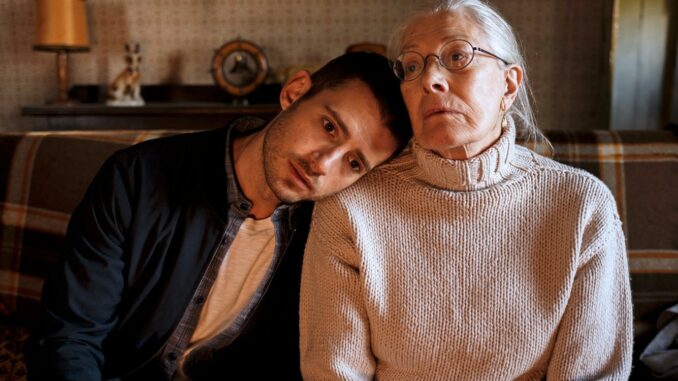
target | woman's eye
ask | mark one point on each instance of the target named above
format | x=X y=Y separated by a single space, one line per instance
x=457 y=57
x=329 y=127
x=411 y=68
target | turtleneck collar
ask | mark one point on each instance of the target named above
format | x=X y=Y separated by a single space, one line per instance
x=490 y=167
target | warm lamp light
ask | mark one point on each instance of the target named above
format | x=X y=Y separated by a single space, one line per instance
x=62 y=28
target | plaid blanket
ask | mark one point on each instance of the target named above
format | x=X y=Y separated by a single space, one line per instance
x=43 y=175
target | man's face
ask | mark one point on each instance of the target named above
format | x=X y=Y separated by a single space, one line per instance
x=322 y=145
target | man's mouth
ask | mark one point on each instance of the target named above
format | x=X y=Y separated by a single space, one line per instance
x=300 y=177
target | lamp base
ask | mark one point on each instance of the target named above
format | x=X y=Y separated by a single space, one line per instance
x=62 y=80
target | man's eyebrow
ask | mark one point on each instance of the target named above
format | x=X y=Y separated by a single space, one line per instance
x=345 y=131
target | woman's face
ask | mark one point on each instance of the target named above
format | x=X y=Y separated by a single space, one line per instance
x=456 y=114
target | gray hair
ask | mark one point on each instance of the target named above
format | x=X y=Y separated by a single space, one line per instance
x=503 y=42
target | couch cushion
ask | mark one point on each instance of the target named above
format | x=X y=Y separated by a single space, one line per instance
x=43 y=176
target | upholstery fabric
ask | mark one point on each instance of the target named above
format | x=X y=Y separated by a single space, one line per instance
x=43 y=176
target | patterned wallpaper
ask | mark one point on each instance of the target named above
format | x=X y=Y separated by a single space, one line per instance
x=567 y=45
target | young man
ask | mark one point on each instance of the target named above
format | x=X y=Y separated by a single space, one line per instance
x=184 y=257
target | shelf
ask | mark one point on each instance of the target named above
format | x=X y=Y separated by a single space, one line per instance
x=190 y=107
x=164 y=108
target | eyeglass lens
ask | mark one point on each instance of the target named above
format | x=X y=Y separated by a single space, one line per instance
x=455 y=55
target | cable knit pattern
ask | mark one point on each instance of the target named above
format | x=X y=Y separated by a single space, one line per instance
x=505 y=266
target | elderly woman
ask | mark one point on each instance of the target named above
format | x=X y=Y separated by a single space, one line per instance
x=467 y=257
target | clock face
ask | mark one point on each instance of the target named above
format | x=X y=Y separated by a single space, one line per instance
x=239 y=67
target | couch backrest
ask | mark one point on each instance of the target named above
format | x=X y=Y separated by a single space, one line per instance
x=43 y=175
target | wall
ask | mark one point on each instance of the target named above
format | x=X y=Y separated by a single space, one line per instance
x=639 y=51
x=670 y=86
x=567 y=46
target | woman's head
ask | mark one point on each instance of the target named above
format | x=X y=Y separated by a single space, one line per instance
x=456 y=110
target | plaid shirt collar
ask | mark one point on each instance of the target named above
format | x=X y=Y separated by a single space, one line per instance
x=242 y=127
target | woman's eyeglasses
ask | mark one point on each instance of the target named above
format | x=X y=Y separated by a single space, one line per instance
x=454 y=55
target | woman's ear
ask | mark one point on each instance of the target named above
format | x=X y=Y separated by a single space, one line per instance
x=513 y=78
x=295 y=88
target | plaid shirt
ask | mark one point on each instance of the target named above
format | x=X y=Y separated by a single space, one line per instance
x=175 y=352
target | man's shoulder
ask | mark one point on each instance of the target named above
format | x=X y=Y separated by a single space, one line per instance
x=179 y=143
x=176 y=151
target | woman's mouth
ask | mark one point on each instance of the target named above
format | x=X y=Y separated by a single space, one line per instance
x=434 y=111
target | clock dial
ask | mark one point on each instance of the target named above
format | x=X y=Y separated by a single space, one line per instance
x=239 y=67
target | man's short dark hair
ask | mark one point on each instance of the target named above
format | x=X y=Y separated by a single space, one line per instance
x=375 y=71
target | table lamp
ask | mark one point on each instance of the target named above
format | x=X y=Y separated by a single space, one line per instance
x=62 y=28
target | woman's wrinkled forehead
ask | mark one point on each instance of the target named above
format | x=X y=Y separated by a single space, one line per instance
x=427 y=30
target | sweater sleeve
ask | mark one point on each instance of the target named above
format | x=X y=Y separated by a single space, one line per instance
x=81 y=296
x=334 y=329
x=595 y=335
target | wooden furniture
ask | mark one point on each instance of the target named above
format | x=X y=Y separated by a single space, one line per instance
x=188 y=107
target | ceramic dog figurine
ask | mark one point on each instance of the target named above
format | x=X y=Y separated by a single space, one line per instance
x=125 y=90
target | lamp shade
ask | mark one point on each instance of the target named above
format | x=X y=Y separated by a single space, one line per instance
x=62 y=25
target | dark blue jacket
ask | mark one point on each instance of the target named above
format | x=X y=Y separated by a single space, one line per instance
x=138 y=245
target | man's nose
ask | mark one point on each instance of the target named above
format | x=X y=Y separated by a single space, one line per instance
x=323 y=160
x=434 y=77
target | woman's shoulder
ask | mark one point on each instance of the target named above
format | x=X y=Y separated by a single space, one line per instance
x=574 y=178
x=538 y=162
x=380 y=183
x=395 y=169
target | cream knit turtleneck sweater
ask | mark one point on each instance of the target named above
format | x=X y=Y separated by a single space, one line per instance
x=505 y=266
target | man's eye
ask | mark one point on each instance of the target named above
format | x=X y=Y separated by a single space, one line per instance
x=329 y=127
x=355 y=165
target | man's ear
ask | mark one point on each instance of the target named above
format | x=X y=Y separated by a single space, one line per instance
x=513 y=78
x=295 y=88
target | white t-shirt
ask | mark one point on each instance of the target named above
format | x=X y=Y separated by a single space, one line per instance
x=239 y=277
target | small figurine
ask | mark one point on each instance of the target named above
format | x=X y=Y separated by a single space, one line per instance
x=125 y=90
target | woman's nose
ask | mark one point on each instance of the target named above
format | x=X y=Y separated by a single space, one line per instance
x=434 y=78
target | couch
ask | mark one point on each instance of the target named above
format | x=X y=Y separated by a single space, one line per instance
x=43 y=175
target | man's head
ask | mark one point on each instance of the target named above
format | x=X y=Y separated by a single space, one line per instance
x=335 y=126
